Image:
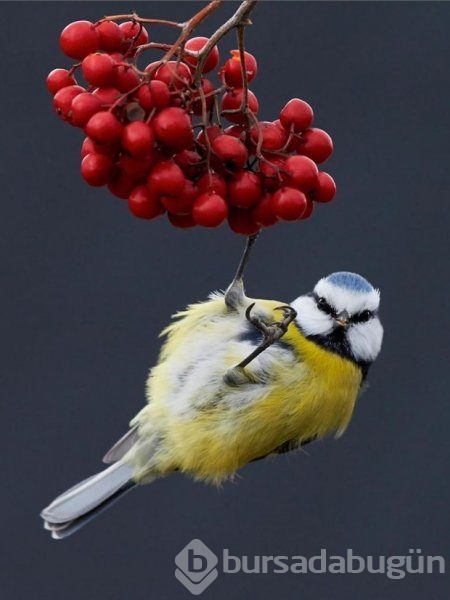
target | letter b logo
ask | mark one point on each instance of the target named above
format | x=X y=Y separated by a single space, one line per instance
x=196 y=563
x=196 y=567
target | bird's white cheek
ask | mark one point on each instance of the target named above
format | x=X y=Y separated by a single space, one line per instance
x=365 y=340
x=311 y=320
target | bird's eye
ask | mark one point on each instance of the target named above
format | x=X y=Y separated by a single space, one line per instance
x=323 y=305
x=363 y=316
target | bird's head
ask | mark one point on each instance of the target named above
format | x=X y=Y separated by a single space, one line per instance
x=341 y=314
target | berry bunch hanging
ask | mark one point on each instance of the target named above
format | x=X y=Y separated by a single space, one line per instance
x=170 y=140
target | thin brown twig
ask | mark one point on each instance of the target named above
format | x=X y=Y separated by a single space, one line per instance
x=165 y=47
x=244 y=104
x=205 y=133
x=217 y=111
x=135 y=17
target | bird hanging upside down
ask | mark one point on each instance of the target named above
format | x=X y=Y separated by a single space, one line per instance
x=237 y=380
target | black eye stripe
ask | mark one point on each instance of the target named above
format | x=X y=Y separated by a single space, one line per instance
x=323 y=305
x=362 y=317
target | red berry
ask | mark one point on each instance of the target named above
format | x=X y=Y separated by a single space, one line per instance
x=125 y=78
x=195 y=45
x=271 y=172
x=117 y=57
x=190 y=162
x=138 y=138
x=98 y=69
x=121 y=185
x=231 y=151
x=289 y=204
x=160 y=93
x=62 y=101
x=308 y=210
x=263 y=212
x=84 y=106
x=211 y=132
x=166 y=179
x=292 y=145
x=207 y=88
x=58 y=79
x=152 y=67
x=245 y=189
x=144 y=204
x=87 y=147
x=79 y=39
x=232 y=70
x=237 y=131
x=174 y=74
x=107 y=95
x=316 y=144
x=325 y=189
x=209 y=210
x=211 y=182
x=154 y=95
x=134 y=34
x=110 y=36
x=104 y=128
x=91 y=147
x=233 y=101
x=96 y=169
x=172 y=127
x=273 y=138
x=242 y=221
x=137 y=168
x=296 y=114
x=181 y=221
x=182 y=204
x=301 y=173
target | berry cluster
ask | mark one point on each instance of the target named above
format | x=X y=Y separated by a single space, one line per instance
x=157 y=137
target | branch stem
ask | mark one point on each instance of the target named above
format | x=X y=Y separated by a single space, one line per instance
x=135 y=17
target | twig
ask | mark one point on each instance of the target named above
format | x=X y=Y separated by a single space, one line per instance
x=205 y=132
x=244 y=104
x=135 y=17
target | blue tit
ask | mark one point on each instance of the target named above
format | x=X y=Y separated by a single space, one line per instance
x=237 y=380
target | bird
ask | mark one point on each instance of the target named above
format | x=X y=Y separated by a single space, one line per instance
x=237 y=380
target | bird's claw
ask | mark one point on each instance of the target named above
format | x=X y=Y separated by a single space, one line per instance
x=289 y=315
x=272 y=331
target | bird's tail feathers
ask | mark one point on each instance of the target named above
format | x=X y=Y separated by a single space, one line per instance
x=80 y=504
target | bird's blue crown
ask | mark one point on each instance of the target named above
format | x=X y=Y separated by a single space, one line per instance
x=350 y=281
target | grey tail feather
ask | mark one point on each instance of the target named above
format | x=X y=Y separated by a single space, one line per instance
x=78 y=505
x=122 y=446
x=62 y=530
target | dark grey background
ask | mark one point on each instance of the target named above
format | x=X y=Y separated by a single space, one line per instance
x=87 y=288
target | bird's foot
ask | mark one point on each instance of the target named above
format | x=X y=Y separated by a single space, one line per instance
x=272 y=332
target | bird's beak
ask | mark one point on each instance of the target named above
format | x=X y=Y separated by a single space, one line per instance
x=342 y=319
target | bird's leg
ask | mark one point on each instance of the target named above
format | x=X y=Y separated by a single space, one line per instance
x=234 y=295
x=271 y=332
